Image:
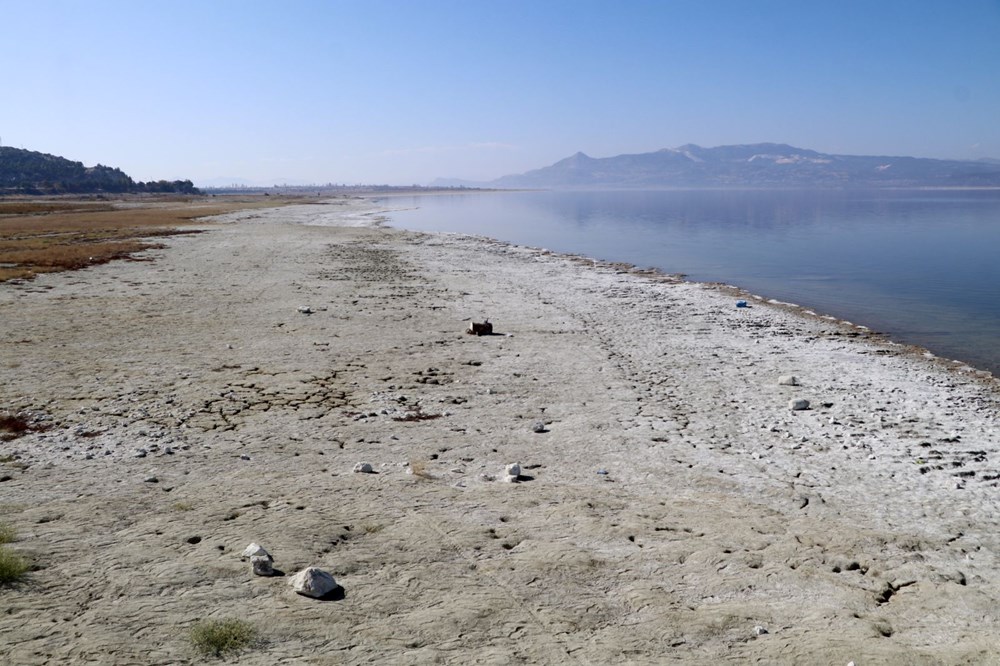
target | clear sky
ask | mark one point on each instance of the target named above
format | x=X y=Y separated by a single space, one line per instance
x=404 y=91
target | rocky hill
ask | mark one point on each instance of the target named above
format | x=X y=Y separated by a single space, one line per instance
x=29 y=172
x=756 y=165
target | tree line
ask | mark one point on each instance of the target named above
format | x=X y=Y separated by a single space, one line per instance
x=29 y=172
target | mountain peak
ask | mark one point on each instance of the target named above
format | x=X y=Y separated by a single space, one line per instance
x=752 y=165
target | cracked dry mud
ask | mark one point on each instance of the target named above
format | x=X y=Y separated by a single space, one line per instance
x=672 y=504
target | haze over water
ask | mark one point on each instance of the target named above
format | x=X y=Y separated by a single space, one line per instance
x=918 y=265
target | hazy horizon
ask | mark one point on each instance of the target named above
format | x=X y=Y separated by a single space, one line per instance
x=405 y=92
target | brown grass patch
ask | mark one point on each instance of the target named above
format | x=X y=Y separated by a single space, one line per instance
x=13 y=426
x=43 y=236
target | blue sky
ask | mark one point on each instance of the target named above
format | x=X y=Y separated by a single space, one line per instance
x=399 y=92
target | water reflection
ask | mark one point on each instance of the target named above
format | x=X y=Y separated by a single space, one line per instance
x=917 y=264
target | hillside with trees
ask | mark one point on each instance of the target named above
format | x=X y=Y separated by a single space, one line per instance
x=29 y=172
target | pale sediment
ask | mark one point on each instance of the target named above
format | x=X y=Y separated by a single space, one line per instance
x=670 y=505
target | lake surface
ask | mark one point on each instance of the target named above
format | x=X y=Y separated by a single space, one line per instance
x=921 y=266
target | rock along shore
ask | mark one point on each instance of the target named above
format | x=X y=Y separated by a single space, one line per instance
x=674 y=501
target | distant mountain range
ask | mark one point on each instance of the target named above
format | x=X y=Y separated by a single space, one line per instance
x=29 y=172
x=756 y=165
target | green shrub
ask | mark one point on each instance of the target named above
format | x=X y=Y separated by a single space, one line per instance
x=218 y=637
x=7 y=534
x=12 y=567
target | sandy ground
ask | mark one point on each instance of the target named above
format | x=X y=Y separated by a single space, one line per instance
x=673 y=505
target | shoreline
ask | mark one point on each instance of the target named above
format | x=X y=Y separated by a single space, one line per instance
x=672 y=503
x=900 y=325
x=737 y=293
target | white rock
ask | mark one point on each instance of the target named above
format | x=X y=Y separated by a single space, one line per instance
x=510 y=478
x=255 y=550
x=313 y=582
x=798 y=404
x=261 y=565
x=305 y=309
x=538 y=426
x=759 y=630
x=788 y=380
x=513 y=469
x=363 y=468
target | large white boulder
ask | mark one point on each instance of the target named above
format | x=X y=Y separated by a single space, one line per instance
x=313 y=582
x=255 y=550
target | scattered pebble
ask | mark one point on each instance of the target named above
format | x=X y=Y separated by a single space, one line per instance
x=759 y=630
x=538 y=427
x=798 y=404
x=262 y=566
x=244 y=457
x=363 y=468
x=151 y=479
x=305 y=309
x=788 y=380
x=513 y=469
x=602 y=471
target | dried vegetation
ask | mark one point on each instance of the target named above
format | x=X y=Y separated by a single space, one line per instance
x=48 y=235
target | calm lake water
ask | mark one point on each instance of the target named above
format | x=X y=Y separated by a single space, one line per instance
x=921 y=266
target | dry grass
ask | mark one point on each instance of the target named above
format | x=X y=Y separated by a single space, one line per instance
x=217 y=638
x=29 y=207
x=13 y=567
x=7 y=534
x=43 y=236
x=13 y=426
x=418 y=468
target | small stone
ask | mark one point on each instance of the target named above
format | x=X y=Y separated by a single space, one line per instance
x=313 y=582
x=798 y=404
x=255 y=550
x=363 y=468
x=305 y=309
x=602 y=471
x=244 y=457
x=261 y=565
x=151 y=479
x=513 y=469
x=510 y=478
x=538 y=427
x=788 y=380
x=759 y=630
x=140 y=453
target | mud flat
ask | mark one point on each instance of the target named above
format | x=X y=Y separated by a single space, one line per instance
x=671 y=507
